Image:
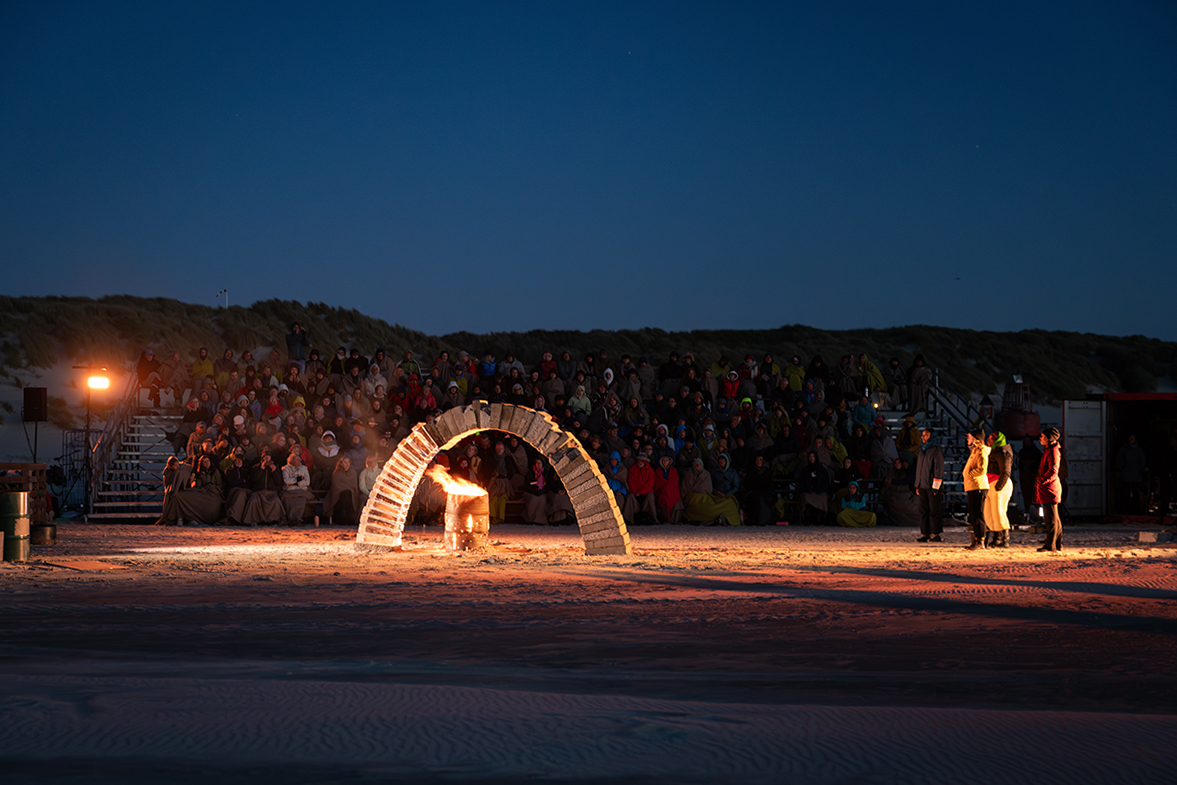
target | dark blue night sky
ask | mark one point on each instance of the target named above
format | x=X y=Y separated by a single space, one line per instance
x=507 y=166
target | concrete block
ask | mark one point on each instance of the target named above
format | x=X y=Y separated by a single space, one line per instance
x=521 y=420
x=379 y=539
x=442 y=431
x=611 y=547
x=590 y=505
x=602 y=534
x=571 y=454
x=1154 y=536
x=541 y=426
x=434 y=432
x=385 y=531
x=369 y=547
x=573 y=470
x=583 y=475
x=496 y=415
x=552 y=440
x=507 y=417
x=605 y=514
x=482 y=414
x=600 y=522
x=451 y=423
x=469 y=419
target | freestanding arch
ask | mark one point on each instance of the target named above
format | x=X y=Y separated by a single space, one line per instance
x=383 y=518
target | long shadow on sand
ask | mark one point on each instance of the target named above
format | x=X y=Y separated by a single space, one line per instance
x=1081 y=587
x=1090 y=619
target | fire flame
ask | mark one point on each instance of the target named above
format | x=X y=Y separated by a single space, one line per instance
x=453 y=486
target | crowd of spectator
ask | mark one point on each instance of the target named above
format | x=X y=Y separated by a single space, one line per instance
x=283 y=438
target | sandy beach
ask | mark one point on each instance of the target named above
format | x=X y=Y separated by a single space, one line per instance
x=753 y=655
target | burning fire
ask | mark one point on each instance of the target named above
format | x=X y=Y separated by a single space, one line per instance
x=453 y=486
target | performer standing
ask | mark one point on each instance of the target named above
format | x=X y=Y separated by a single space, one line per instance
x=1050 y=489
x=976 y=485
x=1001 y=461
x=929 y=476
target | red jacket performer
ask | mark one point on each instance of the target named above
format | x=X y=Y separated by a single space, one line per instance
x=1050 y=489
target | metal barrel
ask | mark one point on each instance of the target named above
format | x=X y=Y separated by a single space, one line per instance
x=43 y=534
x=14 y=521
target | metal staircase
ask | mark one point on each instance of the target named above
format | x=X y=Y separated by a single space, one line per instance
x=951 y=415
x=132 y=484
x=128 y=460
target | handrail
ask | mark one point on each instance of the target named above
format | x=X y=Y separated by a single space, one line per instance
x=962 y=409
x=949 y=407
x=111 y=436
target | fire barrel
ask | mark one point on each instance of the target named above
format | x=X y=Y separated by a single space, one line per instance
x=467 y=523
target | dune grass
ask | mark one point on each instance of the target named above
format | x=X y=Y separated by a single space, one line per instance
x=38 y=331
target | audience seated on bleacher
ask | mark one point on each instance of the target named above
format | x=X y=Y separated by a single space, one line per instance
x=284 y=440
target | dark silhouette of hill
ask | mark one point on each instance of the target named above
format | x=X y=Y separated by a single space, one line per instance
x=42 y=331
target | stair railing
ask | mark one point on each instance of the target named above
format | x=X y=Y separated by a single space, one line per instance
x=109 y=441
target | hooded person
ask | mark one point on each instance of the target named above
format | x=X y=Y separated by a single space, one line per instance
x=342 y=503
x=1001 y=489
x=919 y=381
x=497 y=470
x=667 y=493
x=202 y=500
x=546 y=365
x=453 y=397
x=616 y=476
x=325 y=455
x=265 y=484
x=795 y=373
x=907 y=441
x=296 y=488
x=552 y=389
x=869 y=376
x=442 y=369
x=147 y=371
x=579 y=403
x=640 y=502
x=759 y=496
x=373 y=380
x=729 y=386
x=896 y=378
x=537 y=489
x=566 y=367
x=701 y=504
x=813 y=484
x=854 y=513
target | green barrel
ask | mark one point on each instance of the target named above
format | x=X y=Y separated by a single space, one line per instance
x=14 y=520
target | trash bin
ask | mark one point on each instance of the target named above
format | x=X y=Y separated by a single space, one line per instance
x=14 y=521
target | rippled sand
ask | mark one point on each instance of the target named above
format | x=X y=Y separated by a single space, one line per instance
x=734 y=655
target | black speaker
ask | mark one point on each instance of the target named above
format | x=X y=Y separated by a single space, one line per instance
x=36 y=404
